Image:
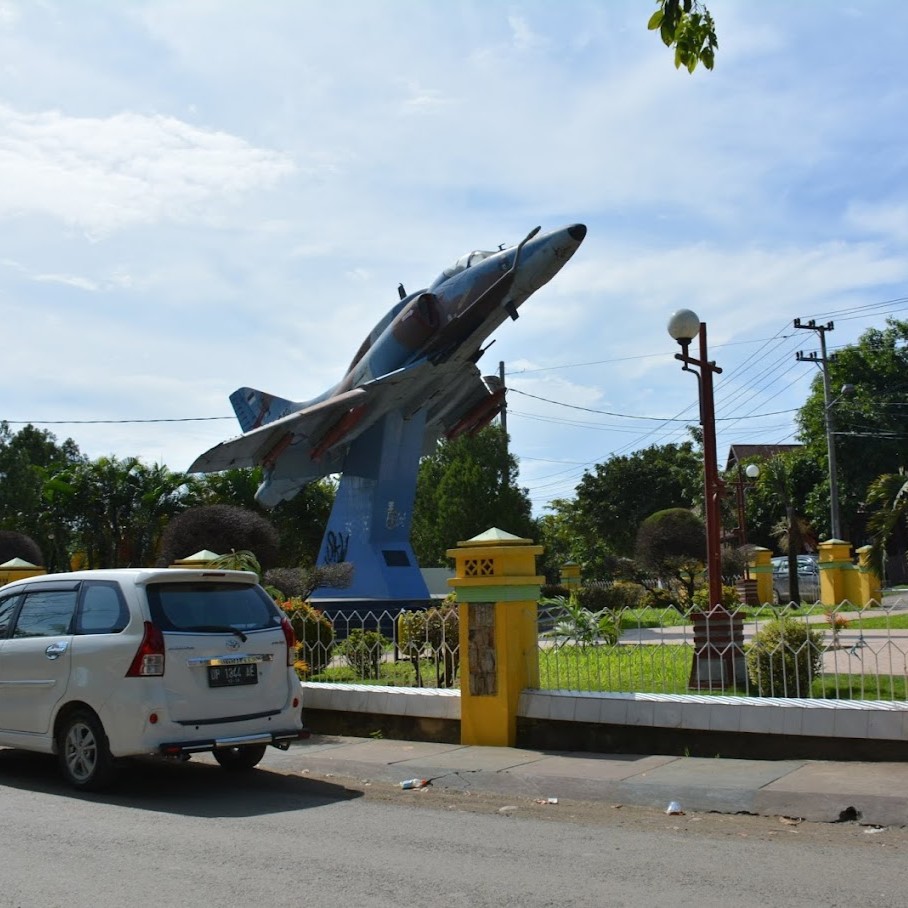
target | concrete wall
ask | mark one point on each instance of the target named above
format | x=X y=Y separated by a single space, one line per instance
x=743 y=727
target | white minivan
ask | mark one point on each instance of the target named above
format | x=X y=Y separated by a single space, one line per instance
x=102 y=664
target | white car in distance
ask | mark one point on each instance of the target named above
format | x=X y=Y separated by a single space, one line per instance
x=103 y=664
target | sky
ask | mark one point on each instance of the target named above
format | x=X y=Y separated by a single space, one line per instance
x=197 y=196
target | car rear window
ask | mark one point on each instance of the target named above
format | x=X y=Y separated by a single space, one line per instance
x=211 y=607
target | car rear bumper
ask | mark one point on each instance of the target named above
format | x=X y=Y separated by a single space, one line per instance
x=279 y=739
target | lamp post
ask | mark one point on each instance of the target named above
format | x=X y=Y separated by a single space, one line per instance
x=752 y=471
x=718 y=659
x=684 y=326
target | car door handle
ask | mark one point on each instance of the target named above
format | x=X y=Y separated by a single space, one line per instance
x=55 y=650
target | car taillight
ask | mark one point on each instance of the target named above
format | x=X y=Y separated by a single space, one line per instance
x=149 y=658
x=290 y=637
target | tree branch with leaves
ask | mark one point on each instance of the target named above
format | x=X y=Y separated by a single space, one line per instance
x=688 y=26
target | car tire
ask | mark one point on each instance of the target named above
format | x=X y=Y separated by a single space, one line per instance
x=776 y=598
x=83 y=752
x=240 y=759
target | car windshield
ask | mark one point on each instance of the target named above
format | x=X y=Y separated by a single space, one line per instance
x=211 y=607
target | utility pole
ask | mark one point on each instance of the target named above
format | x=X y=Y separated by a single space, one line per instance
x=503 y=414
x=823 y=362
x=504 y=403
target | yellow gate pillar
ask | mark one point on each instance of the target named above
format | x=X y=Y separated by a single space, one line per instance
x=760 y=566
x=17 y=569
x=869 y=585
x=570 y=575
x=497 y=589
x=835 y=566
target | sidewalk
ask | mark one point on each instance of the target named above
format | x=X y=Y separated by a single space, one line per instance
x=872 y=793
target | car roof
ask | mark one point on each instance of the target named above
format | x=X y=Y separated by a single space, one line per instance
x=140 y=576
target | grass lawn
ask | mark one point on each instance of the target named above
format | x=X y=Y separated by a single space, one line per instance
x=880 y=622
x=642 y=669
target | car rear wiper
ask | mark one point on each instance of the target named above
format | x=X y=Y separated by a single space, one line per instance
x=218 y=629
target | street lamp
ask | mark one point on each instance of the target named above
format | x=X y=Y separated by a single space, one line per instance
x=718 y=635
x=752 y=471
x=684 y=326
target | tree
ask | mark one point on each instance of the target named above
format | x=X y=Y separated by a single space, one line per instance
x=119 y=508
x=871 y=423
x=220 y=528
x=777 y=479
x=467 y=486
x=888 y=524
x=613 y=501
x=672 y=544
x=27 y=459
x=687 y=26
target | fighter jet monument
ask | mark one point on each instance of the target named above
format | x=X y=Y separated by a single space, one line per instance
x=413 y=380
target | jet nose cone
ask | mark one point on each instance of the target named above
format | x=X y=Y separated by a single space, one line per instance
x=577 y=232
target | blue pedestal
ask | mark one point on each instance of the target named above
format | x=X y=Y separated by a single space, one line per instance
x=370 y=522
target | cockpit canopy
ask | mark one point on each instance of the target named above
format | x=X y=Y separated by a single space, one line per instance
x=464 y=262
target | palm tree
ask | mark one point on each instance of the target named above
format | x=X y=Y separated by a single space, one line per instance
x=889 y=494
x=791 y=531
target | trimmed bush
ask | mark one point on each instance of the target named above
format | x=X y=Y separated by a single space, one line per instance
x=431 y=634
x=660 y=599
x=594 y=597
x=363 y=651
x=731 y=599
x=784 y=657
x=18 y=545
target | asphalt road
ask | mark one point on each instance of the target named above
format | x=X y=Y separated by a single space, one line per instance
x=192 y=834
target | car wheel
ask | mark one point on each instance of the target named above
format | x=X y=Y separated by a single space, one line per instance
x=240 y=759
x=83 y=752
x=776 y=598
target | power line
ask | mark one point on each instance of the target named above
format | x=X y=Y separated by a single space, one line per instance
x=107 y=422
x=631 y=416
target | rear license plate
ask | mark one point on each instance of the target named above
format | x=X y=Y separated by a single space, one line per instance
x=230 y=675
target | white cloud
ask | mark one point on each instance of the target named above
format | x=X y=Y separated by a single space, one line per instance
x=102 y=174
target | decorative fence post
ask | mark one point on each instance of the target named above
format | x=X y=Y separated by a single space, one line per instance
x=497 y=590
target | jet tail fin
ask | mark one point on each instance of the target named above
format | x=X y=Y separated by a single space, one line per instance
x=257 y=408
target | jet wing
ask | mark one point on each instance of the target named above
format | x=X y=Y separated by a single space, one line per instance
x=254 y=447
x=335 y=422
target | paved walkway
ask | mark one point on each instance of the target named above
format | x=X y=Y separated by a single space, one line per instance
x=872 y=793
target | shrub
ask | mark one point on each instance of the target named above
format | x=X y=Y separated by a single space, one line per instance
x=660 y=598
x=582 y=625
x=731 y=599
x=301 y=583
x=613 y=597
x=553 y=591
x=432 y=634
x=783 y=658
x=625 y=594
x=314 y=635
x=363 y=651
x=594 y=597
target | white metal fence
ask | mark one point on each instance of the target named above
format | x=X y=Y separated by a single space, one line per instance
x=842 y=653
